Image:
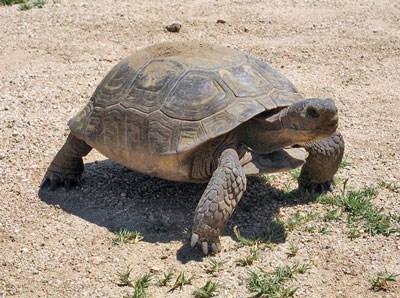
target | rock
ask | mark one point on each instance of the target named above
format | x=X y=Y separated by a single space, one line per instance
x=174 y=27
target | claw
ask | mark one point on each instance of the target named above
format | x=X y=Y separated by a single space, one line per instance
x=204 y=247
x=194 y=240
x=215 y=248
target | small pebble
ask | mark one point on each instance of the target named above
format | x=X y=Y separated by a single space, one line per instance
x=174 y=27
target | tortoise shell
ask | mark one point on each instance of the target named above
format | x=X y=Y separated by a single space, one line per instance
x=170 y=98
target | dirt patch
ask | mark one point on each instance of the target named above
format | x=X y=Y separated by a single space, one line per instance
x=60 y=244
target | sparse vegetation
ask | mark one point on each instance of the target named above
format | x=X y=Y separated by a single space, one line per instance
x=163 y=282
x=360 y=211
x=298 y=220
x=345 y=163
x=139 y=286
x=273 y=232
x=249 y=260
x=124 y=279
x=266 y=177
x=180 y=281
x=272 y=284
x=126 y=236
x=390 y=186
x=325 y=231
x=11 y=2
x=206 y=291
x=382 y=281
x=333 y=215
x=26 y=4
x=295 y=173
x=215 y=265
x=161 y=226
x=293 y=250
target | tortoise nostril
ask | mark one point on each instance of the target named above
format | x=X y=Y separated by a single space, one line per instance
x=312 y=112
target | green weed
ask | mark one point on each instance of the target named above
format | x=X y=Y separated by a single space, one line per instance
x=215 y=265
x=345 y=163
x=390 y=186
x=266 y=177
x=180 y=281
x=360 y=211
x=382 y=280
x=11 y=2
x=293 y=250
x=249 y=260
x=272 y=284
x=333 y=215
x=139 y=286
x=163 y=282
x=160 y=226
x=295 y=173
x=273 y=232
x=325 y=231
x=124 y=279
x=297 y=220
x=126 y=236
x=206 y=291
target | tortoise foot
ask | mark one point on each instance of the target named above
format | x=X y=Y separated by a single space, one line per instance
x=53 y=180
x=210 y=244
x=317 y=188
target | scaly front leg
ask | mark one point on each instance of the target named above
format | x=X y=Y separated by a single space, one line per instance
x=322 y=163
x=218 y=202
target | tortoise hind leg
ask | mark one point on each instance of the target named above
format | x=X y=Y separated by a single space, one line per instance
x=322 y=164
x=67 y=166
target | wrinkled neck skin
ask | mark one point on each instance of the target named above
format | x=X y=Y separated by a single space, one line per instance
x=265 y=134
x=266 y=141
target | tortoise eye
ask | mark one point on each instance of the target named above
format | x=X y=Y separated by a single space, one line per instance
x=312 y=112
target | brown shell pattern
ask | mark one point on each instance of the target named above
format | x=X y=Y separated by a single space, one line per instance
x=172 y=97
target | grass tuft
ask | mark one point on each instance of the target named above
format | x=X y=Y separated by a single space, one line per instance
x=215 y=265
x=382 y=280
x=11 y=2
x=272 y=284
x=124 y=279
x=139 y=286
x=163 y=282
x=345 y=163
x=273 y=232
x=390 y=186
x=180 y=281
x=206 y=291
x=362 y=216
x=293 y=250
x=295 y=173
x=249 y=260
x=126 y=236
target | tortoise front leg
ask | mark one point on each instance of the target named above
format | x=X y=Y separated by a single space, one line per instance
x=67 y=166
x=218 y=202
x=322 y=163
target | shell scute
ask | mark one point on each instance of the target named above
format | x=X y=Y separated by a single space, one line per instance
x=163 y=134
x=195 y=97
x=147 y=92
x=244 y=81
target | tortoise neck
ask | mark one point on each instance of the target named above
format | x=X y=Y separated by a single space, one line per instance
x=267 y=133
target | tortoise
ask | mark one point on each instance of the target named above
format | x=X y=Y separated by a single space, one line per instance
x=197 y=112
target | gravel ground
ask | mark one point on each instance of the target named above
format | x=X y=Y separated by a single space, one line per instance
x=60 y=244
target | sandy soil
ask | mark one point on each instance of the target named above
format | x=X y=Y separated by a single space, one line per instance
x=51 y=59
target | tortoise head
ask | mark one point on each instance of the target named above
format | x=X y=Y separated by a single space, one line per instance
x=299 y=123
x=317 y=117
